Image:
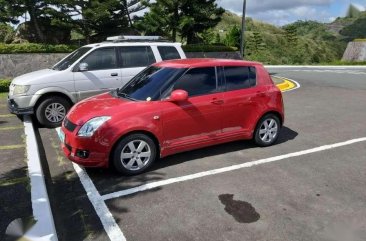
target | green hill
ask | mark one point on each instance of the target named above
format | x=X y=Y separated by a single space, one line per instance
x=302 y=42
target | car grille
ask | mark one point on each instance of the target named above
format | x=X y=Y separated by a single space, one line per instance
x=69 y=125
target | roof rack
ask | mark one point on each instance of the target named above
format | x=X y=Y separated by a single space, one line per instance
x=135 y=38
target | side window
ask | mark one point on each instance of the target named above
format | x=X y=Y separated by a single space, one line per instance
x=136 y=56
x=198 y=81
x=239 y=77
x=168 y=52
x=103 y=58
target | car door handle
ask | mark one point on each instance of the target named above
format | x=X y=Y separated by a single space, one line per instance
x=261 y=94
x=114 y=74
x=217 y=102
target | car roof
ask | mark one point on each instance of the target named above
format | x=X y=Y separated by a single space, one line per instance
x=204 y=62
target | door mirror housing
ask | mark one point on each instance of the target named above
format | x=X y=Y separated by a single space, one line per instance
x=178 y=96
x=83 y=67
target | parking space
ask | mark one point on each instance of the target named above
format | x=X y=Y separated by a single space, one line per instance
x=317 y=194
x=15 y=195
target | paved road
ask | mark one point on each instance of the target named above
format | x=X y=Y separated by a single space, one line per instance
x=314 y=196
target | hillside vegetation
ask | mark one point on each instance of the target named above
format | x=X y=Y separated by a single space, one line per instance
x=302 y=42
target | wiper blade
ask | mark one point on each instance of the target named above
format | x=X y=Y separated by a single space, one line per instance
x=124 y=95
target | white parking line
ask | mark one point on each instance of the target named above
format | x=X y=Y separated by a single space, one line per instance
x=109 y=223
x=153 y=185
x=44 y=228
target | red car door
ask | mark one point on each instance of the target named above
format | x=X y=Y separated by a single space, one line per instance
x=240 y=100
x=194 y=122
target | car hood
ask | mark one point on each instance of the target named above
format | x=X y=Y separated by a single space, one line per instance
x=36 y=77
x=100 y=105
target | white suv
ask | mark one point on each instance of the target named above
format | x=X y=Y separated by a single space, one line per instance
x=89 y=70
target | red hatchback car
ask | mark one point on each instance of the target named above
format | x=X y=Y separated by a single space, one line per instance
x=172 y=107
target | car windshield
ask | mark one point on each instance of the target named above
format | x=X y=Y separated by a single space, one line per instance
x=71 y=58
x=149 y=84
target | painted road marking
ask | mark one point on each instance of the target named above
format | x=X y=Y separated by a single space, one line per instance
x=44 y=228
x=109 y=223
x=331 y=71
x=11 y=128
x=12 y=147
x=7 y=116
x=287 y=84
x=316 y=66
x=156 y=184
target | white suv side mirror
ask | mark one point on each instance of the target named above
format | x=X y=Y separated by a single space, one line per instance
x=83 y=67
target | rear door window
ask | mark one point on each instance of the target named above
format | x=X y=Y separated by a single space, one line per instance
x=239 y=77
x=198 y=81
x=168 y=52
x=136 y=56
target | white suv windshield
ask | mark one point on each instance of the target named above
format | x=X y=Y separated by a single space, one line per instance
x=69 y=60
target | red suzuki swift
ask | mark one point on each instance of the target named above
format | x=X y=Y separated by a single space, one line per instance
x=171 y=107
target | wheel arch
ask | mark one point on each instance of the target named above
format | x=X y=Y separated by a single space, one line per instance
x=145 y=132
x=50 y=94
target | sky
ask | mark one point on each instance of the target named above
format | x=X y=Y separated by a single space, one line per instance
x=281 y=12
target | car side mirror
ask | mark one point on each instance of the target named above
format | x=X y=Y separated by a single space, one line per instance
x=178 y=96
x=83 y=67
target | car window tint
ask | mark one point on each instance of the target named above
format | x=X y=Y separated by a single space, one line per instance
x=104 y=58
x=239 y=77
x=136 y=56
x=198 y=81
x=168 y=52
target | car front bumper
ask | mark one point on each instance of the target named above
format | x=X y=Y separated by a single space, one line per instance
x=14 y=107
x=73 y=145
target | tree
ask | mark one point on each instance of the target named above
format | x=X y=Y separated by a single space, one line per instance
x=291 y=34
x=188 y=18
x=7 y=33
x=232 y=38
x=95 y=19
x=133 y=6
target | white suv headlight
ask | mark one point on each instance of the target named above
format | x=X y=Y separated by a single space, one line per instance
x=19 y=89
x=88 y=129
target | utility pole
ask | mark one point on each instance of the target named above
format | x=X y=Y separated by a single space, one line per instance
x=242 y=37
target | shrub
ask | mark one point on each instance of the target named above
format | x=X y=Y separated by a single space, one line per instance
x=208 y=48
x=35 y=48
x=4 y=85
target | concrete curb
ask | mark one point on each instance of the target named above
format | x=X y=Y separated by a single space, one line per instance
x=44 y=228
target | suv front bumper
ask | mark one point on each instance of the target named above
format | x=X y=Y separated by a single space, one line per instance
x=14 y=108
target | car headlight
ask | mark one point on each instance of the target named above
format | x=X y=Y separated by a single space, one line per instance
x=88 y=129
x=20 y=89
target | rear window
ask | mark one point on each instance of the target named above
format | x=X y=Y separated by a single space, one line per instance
x=168 y=52
x=136 y=56
x=240 y=77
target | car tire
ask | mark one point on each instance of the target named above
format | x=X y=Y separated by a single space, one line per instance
x=129 y=158
x=52 y=110
x=267 y=130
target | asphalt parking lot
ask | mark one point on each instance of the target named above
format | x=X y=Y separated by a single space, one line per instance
x=303 y=188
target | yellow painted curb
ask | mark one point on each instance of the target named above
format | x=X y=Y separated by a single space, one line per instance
x=11 y=147
x=286 y=85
